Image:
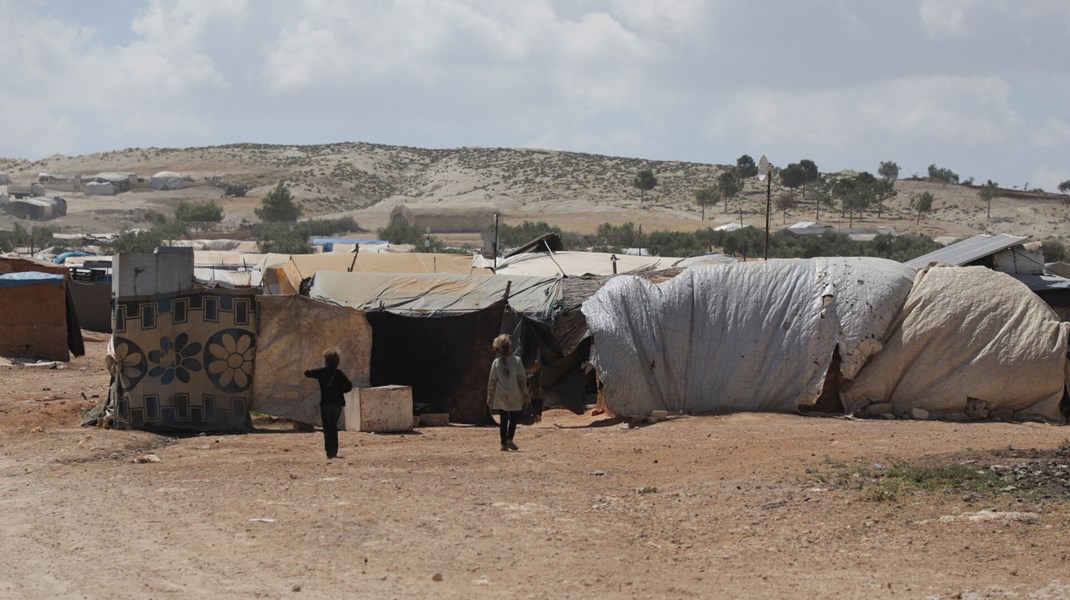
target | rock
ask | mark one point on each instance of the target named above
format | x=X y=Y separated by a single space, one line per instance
x=919 y=413
x=436 y=577
x=659 y=415
x=147 y=458
x=296 y=587
x=878 y=409
x=888 y=416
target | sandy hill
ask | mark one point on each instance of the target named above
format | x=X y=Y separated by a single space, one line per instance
x=572 y=190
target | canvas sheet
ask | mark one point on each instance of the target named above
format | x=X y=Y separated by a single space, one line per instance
x=570 y=264
x=969 y=342
x=293 y=333
x=184 y=361
x=743 y=336
x=436 y=294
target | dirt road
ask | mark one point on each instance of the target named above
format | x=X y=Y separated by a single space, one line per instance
x=745 y=505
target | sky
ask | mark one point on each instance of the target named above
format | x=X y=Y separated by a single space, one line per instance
x=981 y=87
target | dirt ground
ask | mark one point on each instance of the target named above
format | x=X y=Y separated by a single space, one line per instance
x=744 y=505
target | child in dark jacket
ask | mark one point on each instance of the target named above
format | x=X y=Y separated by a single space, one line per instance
x=333 y=386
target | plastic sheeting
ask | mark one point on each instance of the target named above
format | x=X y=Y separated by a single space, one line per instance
x=293 y=333
x=744 y=336
x=436 y=294
x=969 y=343
x=543 y=264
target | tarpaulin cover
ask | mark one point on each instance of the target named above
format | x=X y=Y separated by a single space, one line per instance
x=743 y=336
x=293 y=333
x=9 y=280
x=301 y=266
x=969 y=341
x=436 y=294
x=544 y=264
x=184 y=361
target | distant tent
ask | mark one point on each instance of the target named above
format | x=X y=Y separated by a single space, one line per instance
x=166 y=180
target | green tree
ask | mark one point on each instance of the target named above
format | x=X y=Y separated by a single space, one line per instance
x=987 y=193
x=792 y=176
x=1064 y=187
x=728 y=185
x=888 y=170
x=922 y=204
x=883 y=189
x=147 y=241
x=810 y=174
x=279 y=206
x=644 y=181
x=512 y=236
x=821 y=193
x=942 y=174
x=1054 y=251
x=199 y=212
x=284 y=238
x=402 y=233
x=618 y=236
x=746 y=167
x=707 y=196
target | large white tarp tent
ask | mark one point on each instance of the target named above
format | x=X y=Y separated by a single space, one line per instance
x=743 y=336
x=969 y=343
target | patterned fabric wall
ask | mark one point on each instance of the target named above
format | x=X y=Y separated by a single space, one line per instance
x=184 y=362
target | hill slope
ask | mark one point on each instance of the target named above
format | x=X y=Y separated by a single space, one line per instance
x=572 y=190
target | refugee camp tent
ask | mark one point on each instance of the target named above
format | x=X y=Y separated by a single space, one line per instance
x=166 y=180
x=446 y=358
x=284 y=273
x=292 y=332
x=183 y=361
x=743 y=336
x=37 y=317
x=969 y=343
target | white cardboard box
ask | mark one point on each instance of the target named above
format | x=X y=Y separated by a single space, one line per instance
x=386 y=409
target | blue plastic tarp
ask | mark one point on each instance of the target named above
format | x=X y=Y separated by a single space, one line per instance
x=24 y=278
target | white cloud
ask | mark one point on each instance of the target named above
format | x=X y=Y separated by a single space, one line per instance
x=961 y=110
x=944 y=18
x=1054 y=133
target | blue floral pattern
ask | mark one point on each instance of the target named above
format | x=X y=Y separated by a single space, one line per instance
x=228 y=356
x=175 y=360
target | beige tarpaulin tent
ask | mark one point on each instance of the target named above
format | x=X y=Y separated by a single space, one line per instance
x=284 y=276
x=743 y=336
x=969 y=343
x=286 y=350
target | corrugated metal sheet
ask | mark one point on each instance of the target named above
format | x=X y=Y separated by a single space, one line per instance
x=967 y=251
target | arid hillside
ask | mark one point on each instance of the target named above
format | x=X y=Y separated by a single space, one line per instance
x=574 y=191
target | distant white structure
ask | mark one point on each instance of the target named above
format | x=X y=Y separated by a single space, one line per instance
x=166 y=180
x=120 y=181
x=730 y=227
x=101 y=188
